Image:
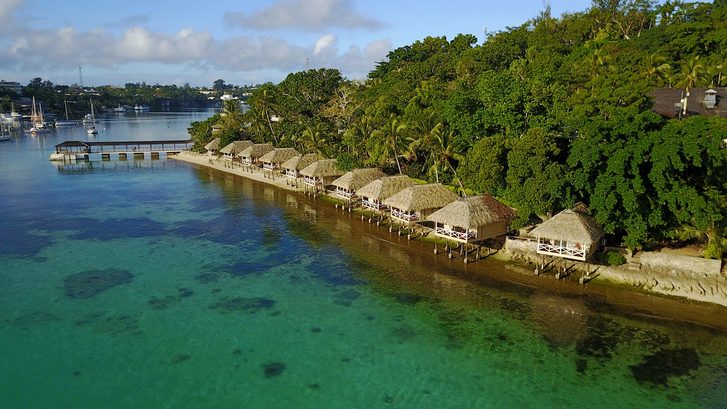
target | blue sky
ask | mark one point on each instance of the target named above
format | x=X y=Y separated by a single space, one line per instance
x=243 y=41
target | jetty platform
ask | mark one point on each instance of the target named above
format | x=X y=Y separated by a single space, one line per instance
x=75 y=150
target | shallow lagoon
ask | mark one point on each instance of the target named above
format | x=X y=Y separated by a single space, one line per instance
x=156 y=284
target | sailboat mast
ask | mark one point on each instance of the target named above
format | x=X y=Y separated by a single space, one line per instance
x=65 y=105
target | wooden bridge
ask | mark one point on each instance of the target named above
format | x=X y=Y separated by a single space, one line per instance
x=124 y=149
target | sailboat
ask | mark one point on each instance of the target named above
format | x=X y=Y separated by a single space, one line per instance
x=36 y=119
x=67 y=122
x=91 y=130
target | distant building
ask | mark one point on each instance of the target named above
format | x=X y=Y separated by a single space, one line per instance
x=11 y=86
x=670 y=102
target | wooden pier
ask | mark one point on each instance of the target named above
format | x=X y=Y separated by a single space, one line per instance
x=70 y=150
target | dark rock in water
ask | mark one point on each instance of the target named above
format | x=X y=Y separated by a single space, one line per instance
x=315 y=330
x=273 y=369
x=162 y=303
x=205 y=278
x=113 y=325
x=656 y=369
x=388 y=399
x=185 y=292
x=271 y=236
x=404 y=332
x=408 y=299
x=178 y=358
x=235 y=304
x=32 y=319
x=89 y=283
x=346 y=297
x=602 y=337
x=314 y=386
x=216 y=290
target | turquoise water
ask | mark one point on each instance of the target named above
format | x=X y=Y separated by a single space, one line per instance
x=157 y=284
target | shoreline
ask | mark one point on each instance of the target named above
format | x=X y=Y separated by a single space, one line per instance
x=505 y=268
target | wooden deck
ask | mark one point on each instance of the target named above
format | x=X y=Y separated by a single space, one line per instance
x=124 y=149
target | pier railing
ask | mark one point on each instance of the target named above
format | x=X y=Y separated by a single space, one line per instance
x=103 y=147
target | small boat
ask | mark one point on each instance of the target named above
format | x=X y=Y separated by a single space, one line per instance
x=67 y=122
x=119 y=110
x=91 y=130
x=140 y=108
x=36 y=119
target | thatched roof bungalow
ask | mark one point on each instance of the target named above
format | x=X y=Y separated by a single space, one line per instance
x=293 y=166
x=571 y=234
x=234 y=148
x=213 y=146
x=373 y=195
x=350 y=182
x=417 y=202
x=275 y=158
x=252 y=154
x=321 y=173
x=472 y=219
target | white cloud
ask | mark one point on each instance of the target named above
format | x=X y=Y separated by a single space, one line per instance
x=324 y=43
x=307 y=15
x=188 y=50
x=7 y=8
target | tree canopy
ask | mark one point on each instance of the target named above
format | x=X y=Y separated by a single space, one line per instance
x=546 y=114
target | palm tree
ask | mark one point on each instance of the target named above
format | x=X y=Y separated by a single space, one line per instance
x=691 y=72
x=312 y=140
x=356 y=135
x=262 y=105
x=656 y=65
x=441 y=152
x=391 y=139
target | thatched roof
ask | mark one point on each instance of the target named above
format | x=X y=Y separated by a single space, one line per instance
x=420 y=197
x=385 y=187
x=257 y=150
x=213 y=145
x=358 y=178
x=235 y=147
x=321 y=169
x=299 y=162
x=472 y=212
x=570 y=225
x=279 y=155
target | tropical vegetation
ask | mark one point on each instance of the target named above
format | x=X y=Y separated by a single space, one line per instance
x=544 y=115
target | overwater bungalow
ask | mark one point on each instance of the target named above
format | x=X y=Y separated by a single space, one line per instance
x=274 y=159
x=233 y=149
x=320 y=174
x=472 y=219
x=350 y=182
x=571 y=234
x=416 y=202
x=373 y=194
x=213 y=146
x=252 y=154
x=293 y=166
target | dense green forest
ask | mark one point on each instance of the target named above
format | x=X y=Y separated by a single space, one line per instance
x=543 y=115
x=157 y=97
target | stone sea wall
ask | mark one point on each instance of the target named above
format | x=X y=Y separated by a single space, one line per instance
x=682 y=276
